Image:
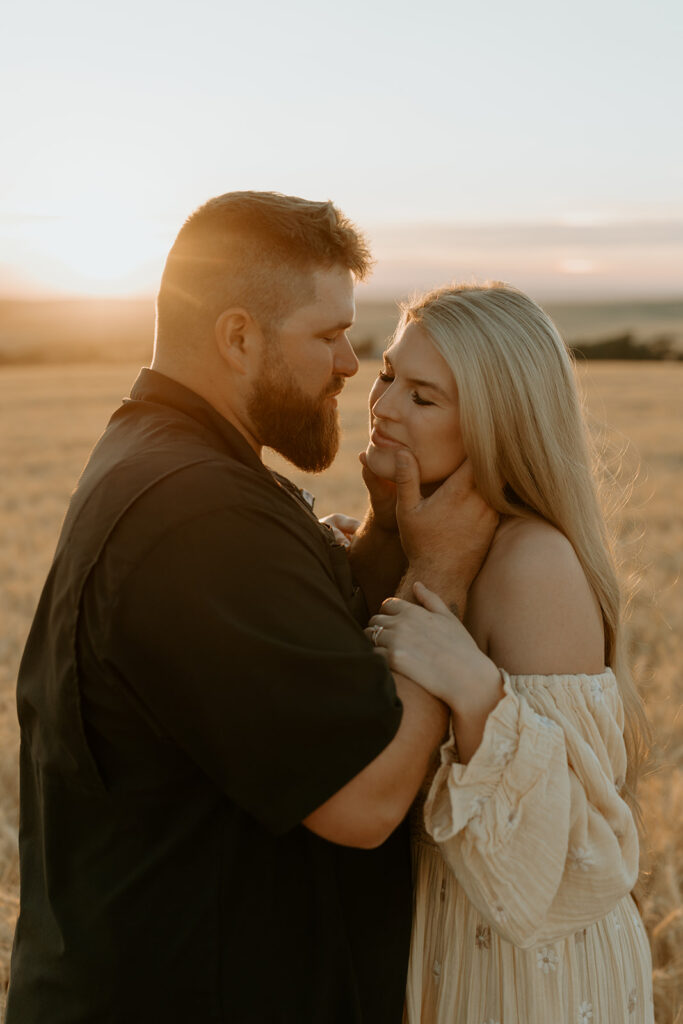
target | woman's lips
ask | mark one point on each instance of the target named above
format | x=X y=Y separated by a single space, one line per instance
x=381 y=440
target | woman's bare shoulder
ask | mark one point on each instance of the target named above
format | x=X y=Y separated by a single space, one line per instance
x=534 y=604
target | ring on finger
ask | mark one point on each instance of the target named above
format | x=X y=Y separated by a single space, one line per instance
x=374 y=634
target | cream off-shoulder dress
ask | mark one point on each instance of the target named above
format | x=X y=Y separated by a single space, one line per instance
x=523 y=863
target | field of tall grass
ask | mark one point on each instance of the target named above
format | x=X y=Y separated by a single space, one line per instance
x=50 y=416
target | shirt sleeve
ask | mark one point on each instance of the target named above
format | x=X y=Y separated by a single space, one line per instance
x=534 y=827
x=234 y=636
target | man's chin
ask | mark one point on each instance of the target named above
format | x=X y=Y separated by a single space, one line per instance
x=312 y=453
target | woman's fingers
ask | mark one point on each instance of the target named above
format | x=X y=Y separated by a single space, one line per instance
x=430 y=600
x=394 y=606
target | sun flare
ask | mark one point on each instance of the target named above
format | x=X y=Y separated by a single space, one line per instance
x=97 y=253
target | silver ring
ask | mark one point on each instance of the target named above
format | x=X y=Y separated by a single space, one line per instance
x=374 y=633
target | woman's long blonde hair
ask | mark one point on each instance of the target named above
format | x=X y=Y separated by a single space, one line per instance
x=525 y=434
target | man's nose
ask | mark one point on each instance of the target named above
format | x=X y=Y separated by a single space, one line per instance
x=345 y=359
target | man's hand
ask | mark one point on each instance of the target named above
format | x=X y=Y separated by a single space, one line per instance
x=382 y=494
x=445 y=536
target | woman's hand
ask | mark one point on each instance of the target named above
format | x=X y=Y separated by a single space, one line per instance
x=343 y=527
x=429 y=645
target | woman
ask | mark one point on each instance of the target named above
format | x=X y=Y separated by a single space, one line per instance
x=525 y=850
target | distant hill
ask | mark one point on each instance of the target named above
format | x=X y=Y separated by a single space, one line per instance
x=76 y=330
x=121 y=330
x=595 y=330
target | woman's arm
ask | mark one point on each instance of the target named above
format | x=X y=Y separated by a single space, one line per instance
x=427 y=643
x=534 y=825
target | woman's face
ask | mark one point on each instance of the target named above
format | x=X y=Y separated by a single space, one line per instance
x=414 y=405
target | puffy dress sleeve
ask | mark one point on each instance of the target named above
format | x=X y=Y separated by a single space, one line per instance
x=534 y=827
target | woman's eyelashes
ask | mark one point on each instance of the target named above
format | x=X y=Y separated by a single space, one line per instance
x=387 y=378
x=419 y=401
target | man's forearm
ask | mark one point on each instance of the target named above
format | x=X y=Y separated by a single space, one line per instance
x=377 y=561
x=439 y=578
x=368 y=808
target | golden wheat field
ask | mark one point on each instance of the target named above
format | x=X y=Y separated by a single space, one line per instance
x=51 y=416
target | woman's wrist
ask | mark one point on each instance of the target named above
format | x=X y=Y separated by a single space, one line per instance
x=482 y=693
x=470 y=717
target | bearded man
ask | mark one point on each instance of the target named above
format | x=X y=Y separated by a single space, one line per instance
x=215 y=764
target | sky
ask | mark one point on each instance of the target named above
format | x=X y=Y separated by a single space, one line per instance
x=538 y=142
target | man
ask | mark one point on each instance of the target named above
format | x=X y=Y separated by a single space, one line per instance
x=214 y=762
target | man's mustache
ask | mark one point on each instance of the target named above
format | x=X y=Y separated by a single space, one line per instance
x=335 y=385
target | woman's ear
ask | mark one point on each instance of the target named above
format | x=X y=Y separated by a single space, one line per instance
x=238 y=340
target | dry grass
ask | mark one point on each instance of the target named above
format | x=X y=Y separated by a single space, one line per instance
x=51 y=416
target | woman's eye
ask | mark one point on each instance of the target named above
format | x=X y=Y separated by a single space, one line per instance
x=419 y=401
x=386 y=377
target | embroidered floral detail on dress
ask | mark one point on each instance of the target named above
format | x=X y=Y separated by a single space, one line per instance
x=504 y=749
x=632 y=1000
x=436 y=969
x=483 y=937
x=579 y=858
x=547 y=722
x=476 y=805
x=547 y=959
x=585 y=1013
x=499 y=913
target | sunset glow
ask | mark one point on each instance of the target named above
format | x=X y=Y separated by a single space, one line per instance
x=95 y=253
x=472 y=118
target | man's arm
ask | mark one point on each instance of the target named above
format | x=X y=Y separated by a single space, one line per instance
x=376 y=555
x=369 y=807
x=377 y=560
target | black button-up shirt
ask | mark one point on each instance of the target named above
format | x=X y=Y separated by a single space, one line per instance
x=195 y=683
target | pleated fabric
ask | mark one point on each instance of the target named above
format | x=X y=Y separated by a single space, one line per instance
x=523 y=863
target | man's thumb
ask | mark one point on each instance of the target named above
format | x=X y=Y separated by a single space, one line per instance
x=407 y=480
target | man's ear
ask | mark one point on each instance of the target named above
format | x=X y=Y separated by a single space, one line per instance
x=238 y=339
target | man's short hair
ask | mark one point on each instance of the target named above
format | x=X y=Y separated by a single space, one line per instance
x=257 y=250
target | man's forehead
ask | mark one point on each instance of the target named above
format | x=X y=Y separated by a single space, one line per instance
x=333 y=300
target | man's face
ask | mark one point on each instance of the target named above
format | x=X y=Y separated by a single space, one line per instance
x=293 y=404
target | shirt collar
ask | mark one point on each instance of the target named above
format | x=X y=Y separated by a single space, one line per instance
x=152 y=386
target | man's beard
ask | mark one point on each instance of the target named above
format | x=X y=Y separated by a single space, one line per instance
x=304 y=430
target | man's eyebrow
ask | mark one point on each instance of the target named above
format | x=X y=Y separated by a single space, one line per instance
x=338 y=327
x=417 y=382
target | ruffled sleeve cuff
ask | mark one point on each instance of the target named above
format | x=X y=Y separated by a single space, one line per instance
x=518 y=746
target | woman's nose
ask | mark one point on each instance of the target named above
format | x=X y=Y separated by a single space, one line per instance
x=385 y=405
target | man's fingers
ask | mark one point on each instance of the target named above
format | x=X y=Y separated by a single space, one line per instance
x=461 y=479
x=407 y=481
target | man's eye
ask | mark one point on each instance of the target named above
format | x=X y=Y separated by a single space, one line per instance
x=419 y=401
x=386 y=377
